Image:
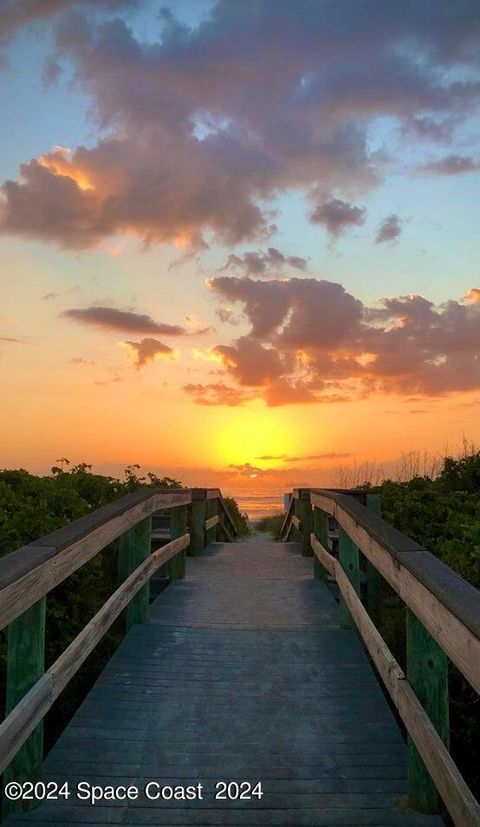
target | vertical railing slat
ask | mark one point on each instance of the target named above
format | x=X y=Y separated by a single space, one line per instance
x=135 y=547
x=349 y=558
x=178 y=527
x=212 y=509
x=197 y=527
x=427 y=672
x=25 y=665
x=304 y=513
x=320 y=529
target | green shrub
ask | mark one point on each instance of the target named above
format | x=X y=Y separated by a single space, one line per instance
x=271 y=524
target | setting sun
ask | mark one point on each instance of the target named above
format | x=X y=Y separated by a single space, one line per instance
x=251 y=434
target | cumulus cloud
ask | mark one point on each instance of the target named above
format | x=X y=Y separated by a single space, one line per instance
x=124 y=321
x=450 y=165
x=472 y=296
x=147 y=350
x=199 y=130
x=389 y=230
x=264 y=264
x=337 y=216
x=313 y=342
x=17 y=13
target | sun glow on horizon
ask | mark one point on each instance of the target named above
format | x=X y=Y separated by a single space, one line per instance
x=252 y=433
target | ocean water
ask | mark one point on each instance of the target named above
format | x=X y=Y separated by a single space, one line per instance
x=258 y=504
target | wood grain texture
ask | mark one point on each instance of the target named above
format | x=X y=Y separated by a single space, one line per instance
x=176 y=567
x=349 y=559
x=31 y=572
x=286 y=522
x=427 y=671
x=320 y=534
x=25 y=666
x=209 y=688
x=306 y=520
x=23 y=719
x=226 y=516
x=211 y=523
x=134 y=549
x=457 y=797
x=408 y=567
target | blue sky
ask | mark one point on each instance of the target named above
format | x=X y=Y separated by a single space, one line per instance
x=296 y=127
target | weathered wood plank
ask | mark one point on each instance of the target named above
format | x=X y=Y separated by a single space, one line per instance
x=22 y=720
x=28 y=574
x=25 y=666
x=350 y=561
x=197 y=522
x=427 y=671
x=286 y=521
x=305 y=516
x=442 y=615
x=374 y=580
x=320 y=533
x=227 y=517
x=134 y=549
x=326 y=559
x=210 y=524
x=226 y=531
x=457 y=797
x=176 y=567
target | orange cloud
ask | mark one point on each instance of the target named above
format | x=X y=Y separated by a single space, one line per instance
x=148 y=350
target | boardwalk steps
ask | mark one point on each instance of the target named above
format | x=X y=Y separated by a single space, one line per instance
x=241 y=673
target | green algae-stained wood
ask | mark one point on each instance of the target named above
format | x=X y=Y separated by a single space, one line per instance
x=427 y=672
x=211 y=511
x=304 y=513
x=320 y=529
x=135 y=547
x=295 y=534
x=350 y=561
x=197 y=526
x=25 y=665
x=374 y=578
x=178 y=527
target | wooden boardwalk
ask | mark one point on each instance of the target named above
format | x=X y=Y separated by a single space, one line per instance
x=241 y=673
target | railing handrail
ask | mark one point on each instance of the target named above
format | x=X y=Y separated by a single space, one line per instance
x=445 y=604
x=404 y=564
x=458 y=798
x=30 y=572
x=226 y=512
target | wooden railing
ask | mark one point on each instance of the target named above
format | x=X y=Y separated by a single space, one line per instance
x=29 y=574
x=442 y=619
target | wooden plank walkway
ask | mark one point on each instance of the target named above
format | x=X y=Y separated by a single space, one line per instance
x=242 y=673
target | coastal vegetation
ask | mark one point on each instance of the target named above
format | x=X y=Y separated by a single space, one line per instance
x=439 y=507
x=32 y=506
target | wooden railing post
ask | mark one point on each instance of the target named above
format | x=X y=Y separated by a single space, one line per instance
x=374 y=578
x=25 y=665
x=135 y=547
x=178 y=527
x=320 y=529
x=197 y=527
x=212 y=510
x=350 y=561
x=427 y=672
x=304 y=513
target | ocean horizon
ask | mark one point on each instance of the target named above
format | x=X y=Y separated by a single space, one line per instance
x=258 y=505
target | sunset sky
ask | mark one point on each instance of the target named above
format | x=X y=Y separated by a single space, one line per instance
x=239 y=239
